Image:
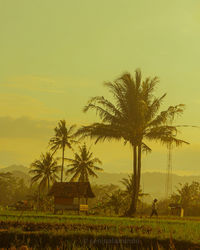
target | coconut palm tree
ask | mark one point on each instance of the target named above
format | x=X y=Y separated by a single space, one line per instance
x=83 y=165
x=133 y=116
x=63 y=138
x=44 y=170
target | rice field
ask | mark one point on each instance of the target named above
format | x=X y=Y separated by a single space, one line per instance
x=164 y=229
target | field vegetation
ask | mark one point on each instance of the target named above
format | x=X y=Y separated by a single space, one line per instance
x=164 y=230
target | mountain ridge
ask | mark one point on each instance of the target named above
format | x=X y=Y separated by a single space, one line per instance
x=151 y=182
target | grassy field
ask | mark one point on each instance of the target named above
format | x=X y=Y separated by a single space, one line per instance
x=164 y=230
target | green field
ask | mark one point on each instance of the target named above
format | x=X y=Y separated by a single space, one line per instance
x=21 y=225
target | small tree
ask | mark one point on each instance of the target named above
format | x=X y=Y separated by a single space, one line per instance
x=63 y=138
x=116 y=201
x=187 y=195
x=83 y=165
x=45 y=171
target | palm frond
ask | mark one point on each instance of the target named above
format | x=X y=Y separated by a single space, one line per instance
x=82 y=165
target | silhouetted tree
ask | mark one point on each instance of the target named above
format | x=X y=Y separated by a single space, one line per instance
x=187 y=195
x=133 y=116
x=44 y=170
x=116 y=201
x=129 y=185
x=83 y=165
x=63 y=138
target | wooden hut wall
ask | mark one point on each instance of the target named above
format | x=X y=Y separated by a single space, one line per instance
x=63 y=201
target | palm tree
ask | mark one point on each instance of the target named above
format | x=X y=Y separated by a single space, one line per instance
x=45 y=170
x=133 y=116
x=83 y=165
x=116 y=201
x=129 y=185
x=63 y=138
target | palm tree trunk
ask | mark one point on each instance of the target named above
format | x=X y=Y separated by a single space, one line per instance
x=63 y=155
x=135 y=161
x=39 y=198
x=137 y=188
x=48 y=184
x=133 y=205
x=139 y=168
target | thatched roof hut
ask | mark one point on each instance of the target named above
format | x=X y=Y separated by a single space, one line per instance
x=72 y=190
x=65 y=194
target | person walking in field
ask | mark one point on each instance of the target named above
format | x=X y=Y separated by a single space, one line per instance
x=154 y=208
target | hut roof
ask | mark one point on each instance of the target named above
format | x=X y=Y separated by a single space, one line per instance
x=175 y=205
x=71 y=190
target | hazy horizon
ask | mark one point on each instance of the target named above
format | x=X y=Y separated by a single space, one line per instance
x=182 y=174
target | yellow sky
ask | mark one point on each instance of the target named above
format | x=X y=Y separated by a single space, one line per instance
x=55 y=55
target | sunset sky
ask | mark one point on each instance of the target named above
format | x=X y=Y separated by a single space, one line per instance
x=55 y=55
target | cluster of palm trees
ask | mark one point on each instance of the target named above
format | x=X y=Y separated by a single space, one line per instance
x=47 y=168
x=132 y=116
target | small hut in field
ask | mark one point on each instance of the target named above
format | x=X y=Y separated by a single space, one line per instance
x=176 y=209
x=71 y=195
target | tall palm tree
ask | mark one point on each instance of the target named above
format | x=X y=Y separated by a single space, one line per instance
x=83 y=165
x=63 y=138
x=133 y=116
x=45 y=170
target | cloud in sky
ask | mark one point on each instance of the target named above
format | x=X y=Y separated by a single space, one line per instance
x=17 y=105
x=47 y=97
x=33 y=83
x=53 y=84
x=23 y=139
x=25 y=127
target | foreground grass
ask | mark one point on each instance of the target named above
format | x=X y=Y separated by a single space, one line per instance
x=63 y=240
x=162 y=229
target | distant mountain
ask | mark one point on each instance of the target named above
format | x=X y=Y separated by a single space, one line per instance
x=151 y=182
x=12 y=168
x=18 y=171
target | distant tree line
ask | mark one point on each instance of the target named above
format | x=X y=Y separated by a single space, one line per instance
x=13 y=189
x=109 y=200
